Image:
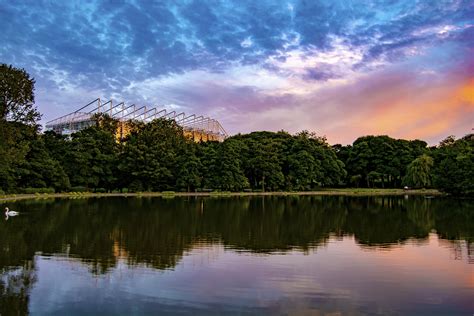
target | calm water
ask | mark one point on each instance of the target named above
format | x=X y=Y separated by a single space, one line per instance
x=272 y=255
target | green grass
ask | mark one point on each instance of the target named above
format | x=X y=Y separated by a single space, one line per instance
x=378 y=191
x=168 y=193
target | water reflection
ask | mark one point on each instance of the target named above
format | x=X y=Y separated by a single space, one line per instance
x=142 y=235
x=15 y=286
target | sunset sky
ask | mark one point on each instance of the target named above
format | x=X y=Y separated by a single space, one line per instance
x=339 y=68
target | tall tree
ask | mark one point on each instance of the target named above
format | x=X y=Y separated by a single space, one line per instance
x=265 y=165
x=91 y=158
x=383 y=157
x=189 y=167
x=419 y=172
x=14 y=146
x=454 y=165
x=207 y=154
x=40 y=170
x=17 y=96
x=150 y=155
x=106 y=122
x=227 y=170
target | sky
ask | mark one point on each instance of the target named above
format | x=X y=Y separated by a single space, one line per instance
x=342 y=69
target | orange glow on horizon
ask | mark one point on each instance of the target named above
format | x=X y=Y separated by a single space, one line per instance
x=466 y=92
x=418 y=114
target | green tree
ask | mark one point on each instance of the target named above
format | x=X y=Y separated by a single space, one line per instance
x=189 y=170
x=14 y=146
x=454 y=166
x=17 y=96
x=91 y=158
x=384 y=158
x=18 y=118
x=304 y=171
x=228 y=172
x=207 y=154
x=40 y=170
x=419 y=172
x=105 y=122
x=150 y=155
x=360 y=160
x=264 y=165
x=57 y=145
x=307 y=159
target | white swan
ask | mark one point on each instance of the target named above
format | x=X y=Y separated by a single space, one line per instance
x=10 y=213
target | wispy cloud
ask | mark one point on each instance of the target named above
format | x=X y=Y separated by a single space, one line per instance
x=340 y=68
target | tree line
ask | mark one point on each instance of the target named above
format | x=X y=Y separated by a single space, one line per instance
x=157 y=156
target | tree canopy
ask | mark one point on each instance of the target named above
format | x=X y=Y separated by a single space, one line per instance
x=17 y=96
x=419 y=172
x=454 y=165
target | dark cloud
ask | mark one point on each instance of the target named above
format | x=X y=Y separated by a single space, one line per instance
x=104 y=46
x=319 y=75
x=109 y=37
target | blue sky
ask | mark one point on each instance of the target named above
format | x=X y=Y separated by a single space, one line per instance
x=339 y=68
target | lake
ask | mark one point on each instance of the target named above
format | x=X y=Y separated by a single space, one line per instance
x=318 y=255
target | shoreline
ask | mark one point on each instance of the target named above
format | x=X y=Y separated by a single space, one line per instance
x=324 y=192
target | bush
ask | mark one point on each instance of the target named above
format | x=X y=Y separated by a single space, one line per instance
x=168 y=192
x=135 y=186
x=78 y=189
x=100 y=190
x=2 y=192
x=37 y=190
x=220 y=193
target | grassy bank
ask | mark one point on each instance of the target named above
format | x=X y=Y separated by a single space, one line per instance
x=345 y=192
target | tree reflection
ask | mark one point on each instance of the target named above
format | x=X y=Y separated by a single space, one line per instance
x=156 y=232
x=15 y=285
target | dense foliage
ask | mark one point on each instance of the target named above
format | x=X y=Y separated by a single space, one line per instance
x=158 y=157
x=386 y=162
x=17 y=96
x=454 y=165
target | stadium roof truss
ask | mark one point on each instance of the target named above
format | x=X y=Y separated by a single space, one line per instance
x=84 y=117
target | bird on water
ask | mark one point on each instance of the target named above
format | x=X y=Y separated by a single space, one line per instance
x=10 y=213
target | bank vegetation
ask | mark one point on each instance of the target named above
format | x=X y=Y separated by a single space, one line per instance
x=157 y=157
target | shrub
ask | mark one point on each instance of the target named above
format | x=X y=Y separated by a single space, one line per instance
x=79 y=189
x=220 y=193
x=100 y=190
x=168 y=192
x=135 y=186
x=2 y=192
x=37 y=190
